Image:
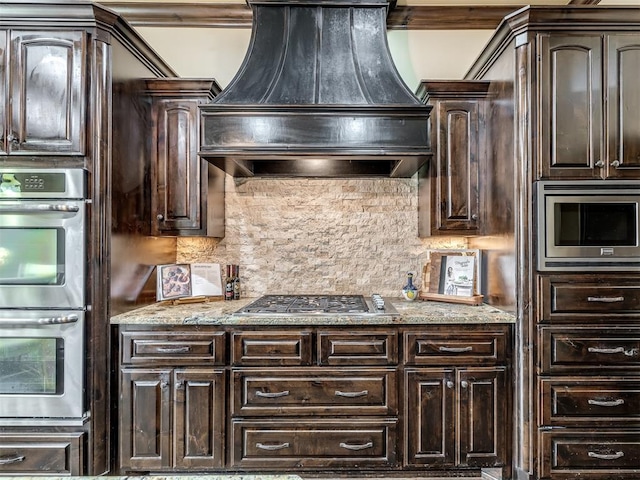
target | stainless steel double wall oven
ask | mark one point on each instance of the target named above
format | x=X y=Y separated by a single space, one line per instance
x=42 y=293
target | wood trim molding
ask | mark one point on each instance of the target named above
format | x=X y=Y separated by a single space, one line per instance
x=232 y=15
x=584 y=2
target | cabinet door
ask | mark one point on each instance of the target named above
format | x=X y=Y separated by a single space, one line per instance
x=178 y=171
x=624 y=104
x=483 y=418
x=145 y=419
x=47 y=84
x=429 y=417
x=571 y=101
x=455 y=182
x=199 y=418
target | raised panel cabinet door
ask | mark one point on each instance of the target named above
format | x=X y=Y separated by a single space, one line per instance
x=429 y=417
x=571 y=100
x=178 y=169
x=145 y=419
x=483 y=416
x=47 y=85
x=199 y=398
x=455 y=187
x=623 y=70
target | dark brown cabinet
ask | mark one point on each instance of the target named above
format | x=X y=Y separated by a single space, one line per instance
x=457 y=416
x=42 y=92
x=42 y=453
x=172 y=401
x=449 y=195
x=589 y=103
x=187 y=192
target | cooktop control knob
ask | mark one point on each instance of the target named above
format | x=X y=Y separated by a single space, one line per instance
x=378 y=301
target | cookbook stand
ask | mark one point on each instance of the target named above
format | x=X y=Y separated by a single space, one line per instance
x=432 y=275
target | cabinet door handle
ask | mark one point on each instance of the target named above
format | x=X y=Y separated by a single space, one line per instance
x=605 y=456
x=184 y=349
x=599 y=163
x=609 y=351
x=605 y=299
x=363 y=393
x=350 y=446
x=279 y=446
x=455 y=349
x=262 y=394
x=606 y=403
x=9 y=459
x=450 y=384
x=615 y=163
x=464 y=384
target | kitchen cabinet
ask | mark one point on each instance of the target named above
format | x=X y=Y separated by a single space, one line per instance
x=187 y=192
x=172 y=401
x=458 y=411
x=449 y=195
x=42 y=453
x=589 y=105
x=42 y=92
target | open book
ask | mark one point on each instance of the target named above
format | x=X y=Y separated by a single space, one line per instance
x=178 y=280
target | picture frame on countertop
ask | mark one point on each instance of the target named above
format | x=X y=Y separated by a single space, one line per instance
x=452 y=275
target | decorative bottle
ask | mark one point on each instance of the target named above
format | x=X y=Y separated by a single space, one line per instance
x=228 y=285
x=236 y=282
x=409 y=291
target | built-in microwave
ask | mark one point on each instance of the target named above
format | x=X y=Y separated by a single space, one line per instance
x=588 y=225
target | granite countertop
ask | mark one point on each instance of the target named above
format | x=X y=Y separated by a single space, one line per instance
x=221 y=313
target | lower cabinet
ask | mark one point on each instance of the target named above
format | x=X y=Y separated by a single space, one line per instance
x=314 y=399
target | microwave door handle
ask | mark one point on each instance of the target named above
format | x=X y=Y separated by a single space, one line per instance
x=39 y=208
x=41 y=321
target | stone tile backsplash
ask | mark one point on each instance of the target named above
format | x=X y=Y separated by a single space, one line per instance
x=313 y=235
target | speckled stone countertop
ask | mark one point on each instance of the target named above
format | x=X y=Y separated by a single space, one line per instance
x=221 y=313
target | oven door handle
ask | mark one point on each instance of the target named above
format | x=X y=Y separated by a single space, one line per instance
x=38 y=208
x=28 y=322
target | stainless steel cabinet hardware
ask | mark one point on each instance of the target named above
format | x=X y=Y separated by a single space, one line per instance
x=606 y=403
x=279 y=446
x=605 y=299
x=260 y=393
x=604 y=456
x=9 y=459
x=184 y=349
x=455 y=349
x=362 y=446
x=363 y=393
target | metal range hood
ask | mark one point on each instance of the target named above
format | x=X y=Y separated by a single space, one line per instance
x=318 y=95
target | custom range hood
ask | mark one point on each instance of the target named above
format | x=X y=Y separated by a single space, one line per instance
x=317 y=95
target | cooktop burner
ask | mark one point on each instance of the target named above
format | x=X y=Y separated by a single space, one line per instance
x=317 y=304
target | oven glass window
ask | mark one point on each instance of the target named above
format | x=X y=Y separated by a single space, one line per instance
x=596 y=224
x=31 y=366
x=31 y=256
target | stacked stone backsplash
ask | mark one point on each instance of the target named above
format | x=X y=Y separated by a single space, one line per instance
x=330 y=236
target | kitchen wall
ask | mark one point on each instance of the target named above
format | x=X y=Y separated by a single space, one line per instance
x=319 y=235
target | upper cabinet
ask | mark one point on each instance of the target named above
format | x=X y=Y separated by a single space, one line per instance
x=42 y=92
x=449 y=193
x=590 y=103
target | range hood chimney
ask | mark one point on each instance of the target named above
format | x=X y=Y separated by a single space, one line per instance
x=317 y=95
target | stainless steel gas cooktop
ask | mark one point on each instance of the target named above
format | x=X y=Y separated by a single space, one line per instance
x=318 y=305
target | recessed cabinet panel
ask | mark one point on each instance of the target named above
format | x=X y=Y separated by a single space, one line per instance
x=357 y=348
x=35 y=454
x=278 y=348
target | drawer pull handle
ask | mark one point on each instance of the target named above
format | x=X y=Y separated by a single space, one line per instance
x=606 y=403
x=184 y=349
x=604 y=456
x=605 y=299
x=455 y=349
x=9 y=459
x=629 y=353
x=280 y=446
x=362 y=446
x=262 y=394
x=363 y=393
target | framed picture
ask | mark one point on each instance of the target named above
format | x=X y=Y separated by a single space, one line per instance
x=452 y=275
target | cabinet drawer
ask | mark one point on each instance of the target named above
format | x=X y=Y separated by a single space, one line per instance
x=315 y=391
x=564 y=298
x=571 y=401
x=464 y=347
x=302 y=444
x=574 y=349
x=271 y=348
x=172 y=348
x=38 y=454
x=357 y=348
x=584 y=454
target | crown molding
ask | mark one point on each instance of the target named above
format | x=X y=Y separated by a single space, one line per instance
x=234 y=15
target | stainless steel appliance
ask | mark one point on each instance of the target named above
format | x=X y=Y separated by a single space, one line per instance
x=318 y=305
x=41 y=363
x=42 y=238
x=588 y=225
x=42 y=300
